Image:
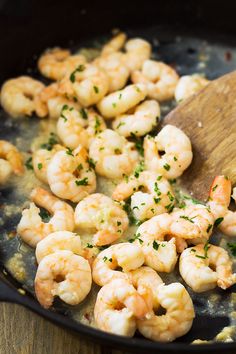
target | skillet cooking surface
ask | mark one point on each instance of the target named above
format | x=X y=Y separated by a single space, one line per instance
x=188 y=55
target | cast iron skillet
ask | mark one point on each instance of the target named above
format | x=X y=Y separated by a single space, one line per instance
x=27 y=27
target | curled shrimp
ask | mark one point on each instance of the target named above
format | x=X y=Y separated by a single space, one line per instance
x=70 y=176
x=219 y=200
x=101 y=214
x=159 y=78
x=10 y=161
x=137 y=52
x=55 y=63
x=178 y=318
x=49 y=102
x=18 y=96
x=159 y=254
x=62 y=274
x=32 y=229
x=140 y=122
x=114 y=45
x=177 y=152
x=88 y=83
x=151 y=194
x=146 y=281
x=56 y=241
x=41 y=159
x=76 y=128
x=117 y=306
x=188 y=85
x=193 y=223
x=205 y=266
x=124 y=255
x=119 y=102
x=117 y=72
x=113 y=155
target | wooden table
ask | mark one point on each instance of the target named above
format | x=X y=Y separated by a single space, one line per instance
x=23 y=332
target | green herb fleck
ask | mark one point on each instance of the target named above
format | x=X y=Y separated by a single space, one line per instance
x=82 y=182
x=83 y=113
x=40 y=166
x=91 y=162
x=139 y=169
x=69 y=151
x=218 y=221
x=232 y=247
x=28 y=164
x=155 y=245
x=78 y=69
x=166 y=167
x=96 y=89
x=187 y=218
x=209 y=227
x=51 y=142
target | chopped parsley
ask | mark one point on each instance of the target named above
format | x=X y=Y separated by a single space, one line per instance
x=97 y=125
x=166 y=167
x=82 y=182
x=172 y=181
x=96 y=89
x=138 y=142
x=218 y=221
x=171 y=197
x=159 y=178
x=69 y=151
x=78 y=69
x=136 y=237
x=118 y=223
x=139 y=169
x=214 y=188
x=117 y=151
x=169 y=207
x=91 y=162
x=209 y=227
x=114 y=105
x=120 y=125
x=89 y=245
x=232 y=247
x=206 y=248
x=156 y=189
x=40 y=166
x=83 y=113
x=137 y=89
x=157 y=200
x=44 y=214
x=79 y=167
x=28 y=164
x=51 y=142
x=187 y=218
x=175 y=158
x=64 y=108
x=155 y=245
x=120 y=95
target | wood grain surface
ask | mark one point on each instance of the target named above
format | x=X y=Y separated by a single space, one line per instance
x=23 y=332
x=209 y=119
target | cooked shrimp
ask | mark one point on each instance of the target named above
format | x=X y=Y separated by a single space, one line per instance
x=58 y=241
x=116 y=70
x=144 y=118
x=18 y=96
x=117 y=306
x=10 y=161
x=177 y=152
x=160 y=80
x=69 y=175
x=113 y=155
x=55 y=63
x=193 y=223
x=119 y=102
x=137 y=52
x=146 y=281
x=114 y=45
x=178 y=318
x=101 y=214
x=88 y=83
x=159 y=254
x=205 y=266
x=76 y=128
x=219 y=201
x=49 y=102
x=62 y=274
x=124 y=255
x=188 y=85
x=154 y=198
x=41 y=159
x=32 y=229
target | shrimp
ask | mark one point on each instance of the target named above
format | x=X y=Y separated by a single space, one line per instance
x=114 y=45
x=117 y=72
x=219 y=201
x=70 y=176
x=177 y=152
x=113 y=155
x=119 y=102
x=159 y=254
x=55 y=63
x=154 y=198
x=160 y=80
x=188 y=85
x=32 y=229
x=88 y=83
x=193 y=223
x=140 y=122
x=125 y=255
x=117 y=306
x=178 y=318
x=100 y=213
x=62 y=274
x=146 y=281
x=137 y=52
x=10 y=161
x=18 y=96
x=205 y=266
x=76 y=128
x=41 y=159
x=49 y=102
x=56 y=241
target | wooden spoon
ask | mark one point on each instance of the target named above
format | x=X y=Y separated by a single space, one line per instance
x=209 y=120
